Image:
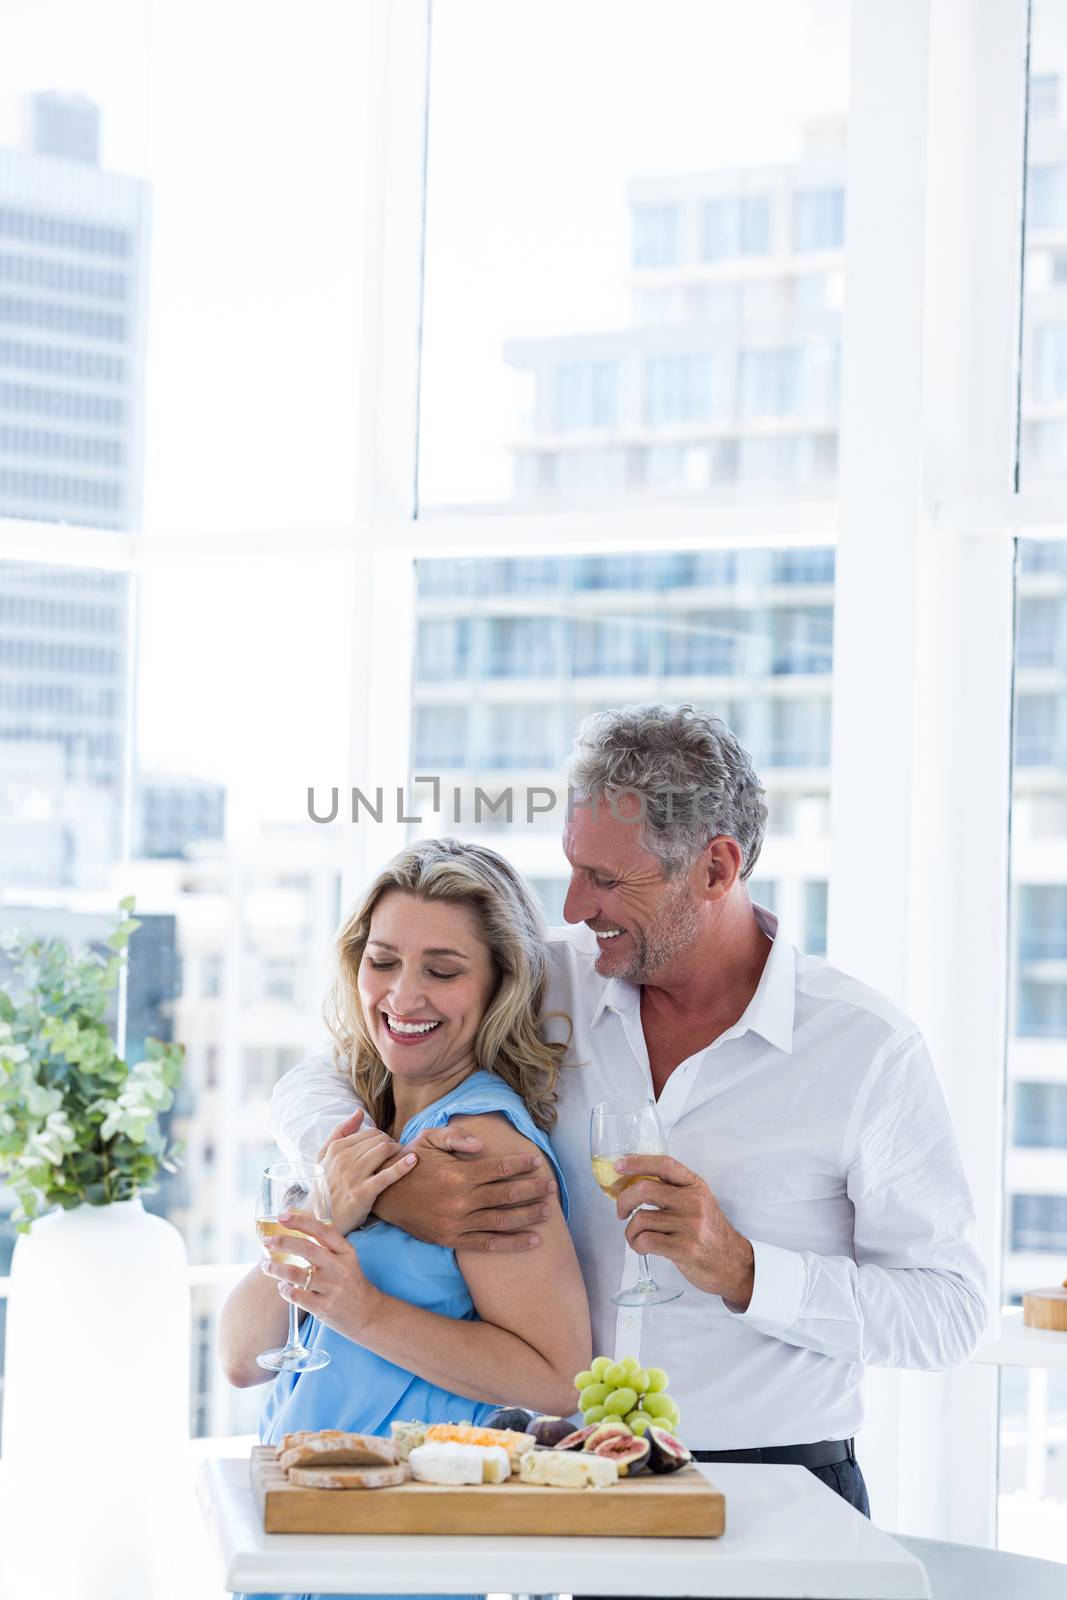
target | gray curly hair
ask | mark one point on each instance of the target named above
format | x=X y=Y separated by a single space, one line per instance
x=694 y=780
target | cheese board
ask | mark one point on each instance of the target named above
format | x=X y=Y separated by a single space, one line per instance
x=1046 y=1308
x=675 y=1506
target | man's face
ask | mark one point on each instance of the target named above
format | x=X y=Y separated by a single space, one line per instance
x=642 y=920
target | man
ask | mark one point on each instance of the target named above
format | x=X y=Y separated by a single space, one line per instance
x=813 y=1208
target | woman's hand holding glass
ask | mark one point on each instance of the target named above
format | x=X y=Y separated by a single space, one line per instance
x=359 y=1164
x=335 y=1290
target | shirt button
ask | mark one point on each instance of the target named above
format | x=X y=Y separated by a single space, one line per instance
x=628 y=1322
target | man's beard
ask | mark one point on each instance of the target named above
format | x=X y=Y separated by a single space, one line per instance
x=674 y=930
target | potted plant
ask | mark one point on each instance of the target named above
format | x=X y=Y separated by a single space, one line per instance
x=78 y=1125
x=99 y=1316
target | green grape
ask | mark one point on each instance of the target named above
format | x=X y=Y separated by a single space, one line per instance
x=639 y=1380
x=658 y=1405
x=582 y=1380
x=616 y=1375
x=599 y=1368
x=594 y=1395
x=657 y=1379
x=594 y=1414
x=631 y=1363
x=638 y=1423
x=620 y=1401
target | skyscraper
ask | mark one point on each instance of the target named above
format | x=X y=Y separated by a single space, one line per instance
x=73 y=284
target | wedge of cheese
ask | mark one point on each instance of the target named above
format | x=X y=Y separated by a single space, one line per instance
x=453 y=1463
x=568 y=1469
x=348 y=1477
x=334 y=1448
x=516 y=1444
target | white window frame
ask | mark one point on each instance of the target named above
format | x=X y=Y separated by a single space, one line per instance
x=921 y=768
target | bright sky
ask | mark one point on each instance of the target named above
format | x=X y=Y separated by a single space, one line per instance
x=247 y=117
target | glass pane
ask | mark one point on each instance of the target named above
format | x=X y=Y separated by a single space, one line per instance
x=634 y=295
x=180 y=262
x=746 y=633
x=1043 y=438
x=1033 y=1464
x=232 y=733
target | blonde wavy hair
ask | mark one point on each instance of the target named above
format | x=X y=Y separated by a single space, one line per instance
x=508 y=1041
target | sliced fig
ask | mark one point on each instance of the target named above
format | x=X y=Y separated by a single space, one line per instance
x=575 y=1441
x=548 y=1431
x=610 y=1428
x=666 y=1453
x=629 y=1455
x=515 y=1418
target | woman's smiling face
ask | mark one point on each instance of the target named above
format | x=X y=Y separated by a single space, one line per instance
x=425 y=981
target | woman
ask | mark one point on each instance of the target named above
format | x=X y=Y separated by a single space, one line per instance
x=439 y=991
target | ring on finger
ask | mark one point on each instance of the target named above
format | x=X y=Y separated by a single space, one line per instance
x=306 y=1285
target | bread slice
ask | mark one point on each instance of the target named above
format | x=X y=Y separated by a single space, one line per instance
x=289 y=1440
x=334 y=1448
x=348 y=1477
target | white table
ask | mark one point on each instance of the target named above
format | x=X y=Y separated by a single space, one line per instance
x=972 y=1572
x=787 y=1535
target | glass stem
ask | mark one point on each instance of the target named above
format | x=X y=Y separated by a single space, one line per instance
x=645 y=1280
x=294 y=1330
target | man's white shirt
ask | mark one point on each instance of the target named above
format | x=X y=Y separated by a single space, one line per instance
x=818 y=1122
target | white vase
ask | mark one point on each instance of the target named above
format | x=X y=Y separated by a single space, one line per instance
x=96 y=1404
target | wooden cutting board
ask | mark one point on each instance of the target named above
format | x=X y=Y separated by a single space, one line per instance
x=678 y=1505
x=1046 y=1308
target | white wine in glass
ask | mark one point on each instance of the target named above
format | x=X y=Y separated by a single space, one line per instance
x=290 y=1186
x=616 y=1130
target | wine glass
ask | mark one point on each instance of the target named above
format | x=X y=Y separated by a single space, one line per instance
x=291 y=1186
x=618 y=1130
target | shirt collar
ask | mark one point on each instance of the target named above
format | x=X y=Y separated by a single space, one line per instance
x=770 y=1012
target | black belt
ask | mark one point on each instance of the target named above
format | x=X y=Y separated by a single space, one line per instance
x=825 y=1453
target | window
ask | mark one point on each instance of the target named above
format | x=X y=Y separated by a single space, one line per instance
x=443 y=648
x=440 y=737
x=1040 y=1116
x=816 y=901
x=587 y=396
x=678 y=389
x=704 y=644
x=1047 y=197
x=521 y=647
x=647 y=233
x=818 y=219
x=655 y=236
x=211 y=970
x=770 y=383
x=1039 y=1222
x=1040 y=730
x=740 y=226
x=1043 y=922
x=520 y=736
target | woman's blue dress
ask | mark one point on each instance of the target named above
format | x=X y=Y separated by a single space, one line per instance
x=361 y=1391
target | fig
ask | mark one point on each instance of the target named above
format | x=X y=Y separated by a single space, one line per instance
x=610 y=1428
x=548 y=1431
x=515 y=1418
x=575 y=1440
x=630 y=1455
x=666 y=1453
